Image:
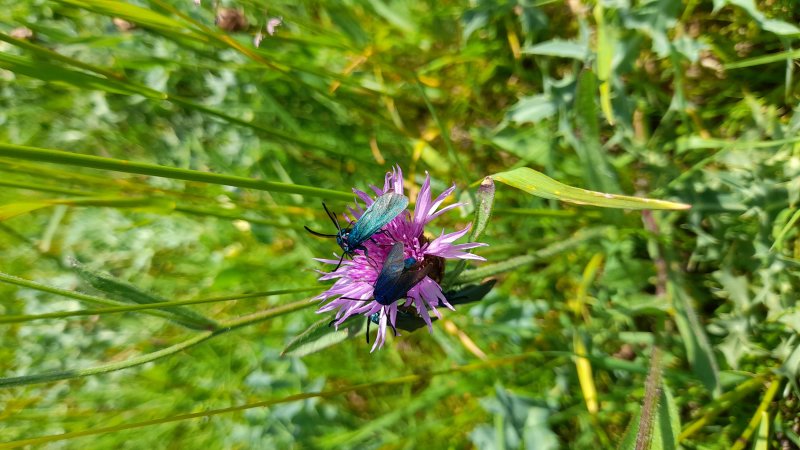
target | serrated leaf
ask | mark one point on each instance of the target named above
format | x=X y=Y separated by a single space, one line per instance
x=320 y=336
x=540 y=185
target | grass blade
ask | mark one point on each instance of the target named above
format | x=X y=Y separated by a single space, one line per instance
x=320 y=336
x=761 y=415
x=149 y=357
x=540 y=185
x=118 y=165
x=405 y=379
x=145 y=307
x=597 y=170
x=126 y=292
x=476 y=275
x=694 y=337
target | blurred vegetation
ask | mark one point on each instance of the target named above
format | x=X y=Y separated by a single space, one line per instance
x=649 y=329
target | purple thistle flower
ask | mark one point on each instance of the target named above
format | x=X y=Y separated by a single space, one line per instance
x=356 y=279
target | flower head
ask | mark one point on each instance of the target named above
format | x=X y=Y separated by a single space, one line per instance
x=355 y=279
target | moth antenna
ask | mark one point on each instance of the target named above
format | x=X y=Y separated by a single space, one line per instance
x=332 y=216
x=316 y=233
x=355 y=299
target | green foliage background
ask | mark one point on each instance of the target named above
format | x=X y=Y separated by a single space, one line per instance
x=686 y=101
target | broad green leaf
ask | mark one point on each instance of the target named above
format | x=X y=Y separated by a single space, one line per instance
x=532 y=109
x=396 y=14
x=541 y=185
x=320 y=336
x=560 y=48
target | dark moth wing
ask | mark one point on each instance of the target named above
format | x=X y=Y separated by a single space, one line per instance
x=395 y=280
x=391 y=271
x=382 y=211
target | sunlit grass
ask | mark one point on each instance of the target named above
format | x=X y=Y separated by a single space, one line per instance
x=155 y=181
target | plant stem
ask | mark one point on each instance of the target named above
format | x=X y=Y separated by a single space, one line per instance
x=405 y=379
x=128 y=308
x=149 y=357
x=119 y=165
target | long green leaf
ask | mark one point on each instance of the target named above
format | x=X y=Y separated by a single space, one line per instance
x=126 y=292
x=110 y=82
x=694 y=337
x=656 y=424
x=45 y=71
x=404 y=379
x=202 y=336
x=136 y=14
x=10 y=210
x=145 y=307
x=118 y=165
x=320 y=336
x=475 y=275
x=541 y=185
x=599 y=173
x=91 y=299
x=605 y=55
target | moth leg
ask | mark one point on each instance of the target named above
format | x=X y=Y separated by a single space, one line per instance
x=388 y=320
x=340 y=262
x=368 y=321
